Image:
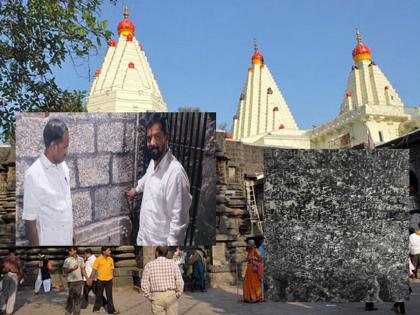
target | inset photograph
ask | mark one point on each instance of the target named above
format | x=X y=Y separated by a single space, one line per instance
x=337 y=225
x=115 y=179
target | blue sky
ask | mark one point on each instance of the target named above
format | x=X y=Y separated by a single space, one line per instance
x=199 y=51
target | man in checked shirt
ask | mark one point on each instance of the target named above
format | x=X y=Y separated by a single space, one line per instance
x=162 y=283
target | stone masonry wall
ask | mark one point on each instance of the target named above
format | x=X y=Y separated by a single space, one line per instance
x=101 y=163
x=232 y=227
x=250 y=158
x=7 y=195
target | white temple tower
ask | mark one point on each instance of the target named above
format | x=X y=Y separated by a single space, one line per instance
x=262 y=107
x=125 y=82
x=371 y=110
x=366 y=84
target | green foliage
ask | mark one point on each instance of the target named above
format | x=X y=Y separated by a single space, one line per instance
x=36 y=37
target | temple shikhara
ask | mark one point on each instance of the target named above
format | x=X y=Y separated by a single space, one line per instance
x=371 y=110
x=125 y=82
x=262 y=107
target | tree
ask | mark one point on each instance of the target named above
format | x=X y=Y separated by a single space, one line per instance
x=37 y=36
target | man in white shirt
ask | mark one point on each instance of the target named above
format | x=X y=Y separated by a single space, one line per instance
x=164 y=213
x=47 y=205
x=89 y=258
x=414 y=246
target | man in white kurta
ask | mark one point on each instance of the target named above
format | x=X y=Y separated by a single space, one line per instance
x=164 y=213
x=47 y=205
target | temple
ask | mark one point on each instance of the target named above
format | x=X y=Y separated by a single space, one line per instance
x=371 y=111
x=262 y=107
x=125 y=82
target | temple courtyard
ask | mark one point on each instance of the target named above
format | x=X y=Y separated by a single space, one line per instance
x=215 y=301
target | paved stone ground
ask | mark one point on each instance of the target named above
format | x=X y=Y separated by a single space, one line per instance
x=215 y=301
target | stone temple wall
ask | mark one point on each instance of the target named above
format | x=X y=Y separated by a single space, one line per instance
x=101 y=163
x=227 y=254
x=7 y=195
x=336 y=225
x=234 y=160
x=247 y=158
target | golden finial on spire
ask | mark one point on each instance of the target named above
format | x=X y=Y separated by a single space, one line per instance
x=358 y=37
x=257 y=58
x=126 y=12
x=126 y=27
x=361 y=52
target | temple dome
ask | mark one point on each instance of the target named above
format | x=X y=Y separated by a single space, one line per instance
x=126 y=27
x=257 y=57
x=361 y=51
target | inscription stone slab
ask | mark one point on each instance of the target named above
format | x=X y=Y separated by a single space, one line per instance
x=336 y=225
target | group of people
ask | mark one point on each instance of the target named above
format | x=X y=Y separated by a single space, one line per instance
x=83 y=275
x=89 y=274
x=193 y=267
x=161 y=281
x=12 y=269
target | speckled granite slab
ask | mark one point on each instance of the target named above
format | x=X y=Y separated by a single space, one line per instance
x=336 y=224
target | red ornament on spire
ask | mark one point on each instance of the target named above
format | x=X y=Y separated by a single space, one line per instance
x=131 y=65
x=229 y=136
x=281 y=126
x=97 y=72
x=257 y=58
x=129 y=38
x=112 y=43
x=348 y=94
x=126 y=27
x=361 y=52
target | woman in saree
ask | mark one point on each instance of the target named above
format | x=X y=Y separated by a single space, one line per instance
x=253 y=275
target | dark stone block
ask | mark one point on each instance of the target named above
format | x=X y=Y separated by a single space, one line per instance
x=336 y=225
